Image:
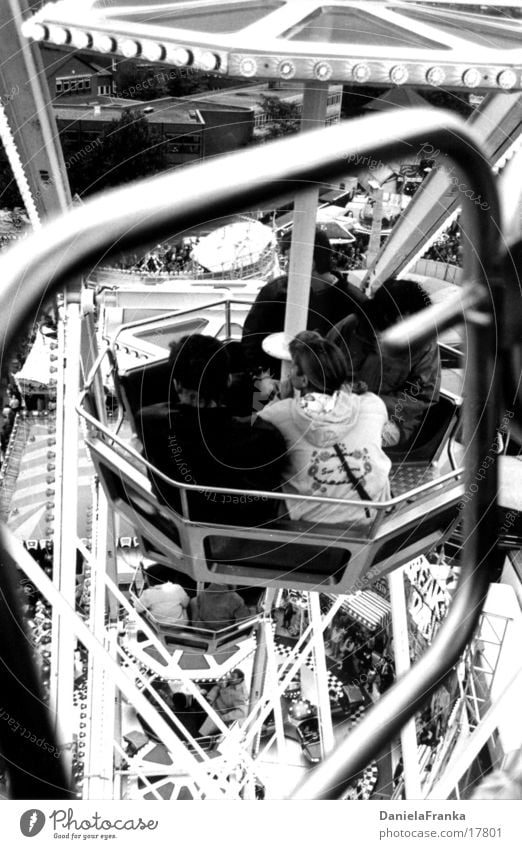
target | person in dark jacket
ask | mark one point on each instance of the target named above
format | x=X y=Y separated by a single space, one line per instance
x=407 y=383
x=218 y=607
x=195 y=439
x=330 y=297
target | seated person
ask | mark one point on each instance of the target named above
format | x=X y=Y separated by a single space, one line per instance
x=230 y=699
x=408 y=383
x=330 y=297
x=218 y=606
x=195 y=439
x=333 y=436
x=167 y=603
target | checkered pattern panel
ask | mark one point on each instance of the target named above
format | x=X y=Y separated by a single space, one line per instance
x=335 y=685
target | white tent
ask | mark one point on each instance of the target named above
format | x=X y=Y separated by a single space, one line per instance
x=35 y=374
x=234 y=246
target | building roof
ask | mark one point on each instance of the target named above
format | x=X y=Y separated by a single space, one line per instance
x=173 y=113
x=397 y=97
x=250 y=96
x=55 y=58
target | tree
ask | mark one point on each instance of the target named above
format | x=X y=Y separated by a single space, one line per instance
x=355 y=98
x=9 y=193
x=454 y=101
x=138 y=83
x=127 y=150
x=183 y=82
x=284 y=117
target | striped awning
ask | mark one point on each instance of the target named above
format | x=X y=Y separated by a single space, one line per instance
x=29 y=505
x=368 y=608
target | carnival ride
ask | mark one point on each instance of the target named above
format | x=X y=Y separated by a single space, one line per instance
x=125 y=653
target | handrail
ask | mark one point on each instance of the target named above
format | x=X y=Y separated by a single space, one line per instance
x=140 y=322
x=219 y=634
x=280 y=496
x=145 y=212
x=210 y=633
x=112 y=436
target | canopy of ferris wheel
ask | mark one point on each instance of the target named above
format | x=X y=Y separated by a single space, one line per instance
x=455 y=45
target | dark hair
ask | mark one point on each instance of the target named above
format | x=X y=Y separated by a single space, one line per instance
x=322 y=250
x=395 y=300
x=200 y=364
x=238 y=673
x=320 y=361
x=179 y=701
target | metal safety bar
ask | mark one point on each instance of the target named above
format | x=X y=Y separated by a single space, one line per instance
x=134 y=216
x=140 y=322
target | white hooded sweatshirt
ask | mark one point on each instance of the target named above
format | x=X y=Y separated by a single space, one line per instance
x=312 y=425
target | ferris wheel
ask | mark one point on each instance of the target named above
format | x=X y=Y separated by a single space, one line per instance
x=139 y=747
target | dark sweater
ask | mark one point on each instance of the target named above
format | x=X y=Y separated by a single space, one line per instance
x=408 y=383
x=210 y=447
x=219 y=607
x=328 y=304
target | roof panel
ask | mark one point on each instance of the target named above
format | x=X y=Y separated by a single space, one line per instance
x=225 y=17
x=356 y=26
x=483 y=31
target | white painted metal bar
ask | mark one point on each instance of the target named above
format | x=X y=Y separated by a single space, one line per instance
x=436 y=204
x=305 y=211
x=30 y=114
x=65 y=516
x=289 y=669
x=272 y=688
x=102 y=693
x=463 y=759
x=324 y=712
x=401 y=651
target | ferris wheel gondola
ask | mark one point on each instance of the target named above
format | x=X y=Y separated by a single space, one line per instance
x=118 y=465
x=129 y=488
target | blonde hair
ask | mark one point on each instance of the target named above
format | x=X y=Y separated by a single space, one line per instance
x=320 y=361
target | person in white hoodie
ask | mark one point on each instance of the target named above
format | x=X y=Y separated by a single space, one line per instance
x=167 y=602
x=333 y=436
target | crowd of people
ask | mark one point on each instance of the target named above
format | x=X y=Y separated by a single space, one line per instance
x=360 y=656
x=177 y=259
x=163 y=259
x=12 y=401
x=351 y=256
x=356 y=655
x=448 y=248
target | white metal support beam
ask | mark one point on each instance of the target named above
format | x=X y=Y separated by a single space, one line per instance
x=286 y=673
x=65 y=515
x=401 y=650
x=433 y=207
x=465 y=756
x=305 y=213
x=324 y=712
x=271 y=684
x=102 y=696
x=29 y=111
